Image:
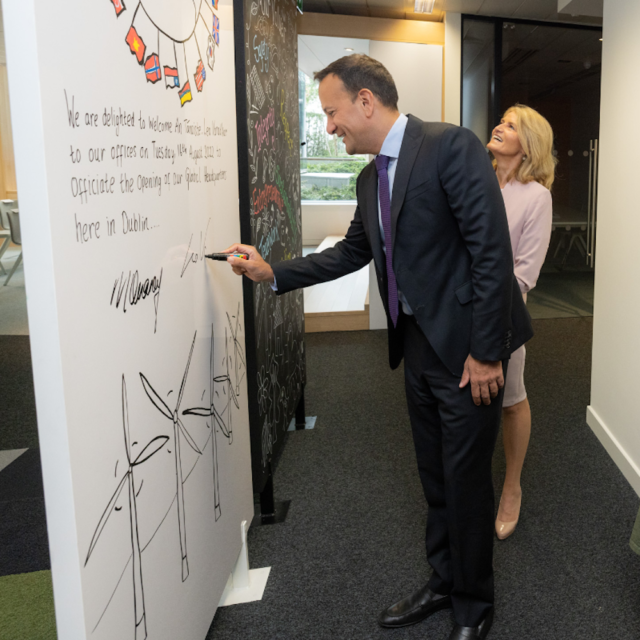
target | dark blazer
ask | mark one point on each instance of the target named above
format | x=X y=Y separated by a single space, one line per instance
x=451 y=248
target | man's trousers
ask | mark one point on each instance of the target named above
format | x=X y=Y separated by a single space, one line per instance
x=454 y=441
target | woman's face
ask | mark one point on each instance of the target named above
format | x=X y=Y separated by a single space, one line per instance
x=504 y=138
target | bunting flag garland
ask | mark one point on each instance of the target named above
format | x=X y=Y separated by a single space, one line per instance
x=135 y=44
x=216 y=30
x=200 y=76
x=119 y=6
x=152 y=68
x=185 y=94
x=144 y=30
x=211 y=55
x=171 y=78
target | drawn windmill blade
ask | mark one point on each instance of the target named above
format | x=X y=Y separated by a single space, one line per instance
x=220 y=421
x=104 y=518
x=214 y=440
x=125 y=420
x=187 y=436
x=150 y=450
x=229 y=385
x=156 y=400
x=234 y=396
x=186 y=372
x=212 y=370
x=203 y=412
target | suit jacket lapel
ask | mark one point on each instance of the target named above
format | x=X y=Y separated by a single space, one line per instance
x=371 y=195
x=408 y=151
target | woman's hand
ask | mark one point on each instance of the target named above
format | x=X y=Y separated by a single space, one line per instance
x=255 y=268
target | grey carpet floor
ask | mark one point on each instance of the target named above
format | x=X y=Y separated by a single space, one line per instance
x=13 y=298
x=562 y=294
x=18 y=423
x=353 y=541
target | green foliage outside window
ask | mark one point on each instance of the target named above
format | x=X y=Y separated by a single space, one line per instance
x=319 y=144
x=349 y=166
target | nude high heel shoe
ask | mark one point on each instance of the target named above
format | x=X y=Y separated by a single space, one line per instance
x=505 y=529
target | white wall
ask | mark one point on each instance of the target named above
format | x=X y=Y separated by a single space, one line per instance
x=327 y=218
x=417 y=71
x=452 y=66
x=614 y=413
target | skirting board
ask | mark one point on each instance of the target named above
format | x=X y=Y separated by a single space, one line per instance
x=628 y=467
x=337 y=321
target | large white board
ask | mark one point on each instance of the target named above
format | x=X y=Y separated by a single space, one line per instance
x=124 y=124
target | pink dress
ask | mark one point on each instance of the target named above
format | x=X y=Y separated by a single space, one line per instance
x=529 y=213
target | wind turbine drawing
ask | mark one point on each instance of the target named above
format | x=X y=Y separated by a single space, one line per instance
x=178 y=430
x=152 y=447
x=218 y=416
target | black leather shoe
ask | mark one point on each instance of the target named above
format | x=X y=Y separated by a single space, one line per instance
x=473 y=633
x=414 y=608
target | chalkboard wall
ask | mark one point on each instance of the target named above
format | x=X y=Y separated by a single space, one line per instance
x=270 y=214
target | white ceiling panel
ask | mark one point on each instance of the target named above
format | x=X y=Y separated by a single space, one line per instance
x=316 y=52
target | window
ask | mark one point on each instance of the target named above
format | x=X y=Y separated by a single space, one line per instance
x=327 y=172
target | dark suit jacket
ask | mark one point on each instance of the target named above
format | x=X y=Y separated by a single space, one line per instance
x=451 y=248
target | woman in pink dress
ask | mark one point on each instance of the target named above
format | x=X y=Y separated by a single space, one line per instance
x=522 y=147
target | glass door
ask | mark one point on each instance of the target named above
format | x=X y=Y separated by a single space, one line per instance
x=556 y=69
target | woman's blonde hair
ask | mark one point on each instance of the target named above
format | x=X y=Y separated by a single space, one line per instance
x=536 y=137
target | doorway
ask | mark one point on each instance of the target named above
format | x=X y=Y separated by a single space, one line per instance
x=555 y=69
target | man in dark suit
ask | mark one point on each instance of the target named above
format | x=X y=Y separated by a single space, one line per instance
x=431 y=216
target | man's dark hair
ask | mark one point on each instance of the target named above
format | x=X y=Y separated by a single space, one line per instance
x=357 y=72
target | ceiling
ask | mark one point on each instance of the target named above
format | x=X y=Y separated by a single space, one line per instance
x=403 y=9
x=316 y=52
x=539 y=60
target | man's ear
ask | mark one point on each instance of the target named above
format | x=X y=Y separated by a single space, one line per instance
x=367 y=100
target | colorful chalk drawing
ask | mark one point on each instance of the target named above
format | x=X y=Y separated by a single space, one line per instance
x=165 y=44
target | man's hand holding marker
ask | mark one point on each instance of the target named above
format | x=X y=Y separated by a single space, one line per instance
x=253 y=266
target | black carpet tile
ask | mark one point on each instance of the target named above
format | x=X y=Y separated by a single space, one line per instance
x=24 y=545
x=18 y=424
x=23 y=527
x=22 y=479
x=353 y=541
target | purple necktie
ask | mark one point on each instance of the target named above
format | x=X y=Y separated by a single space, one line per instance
x=382 y=162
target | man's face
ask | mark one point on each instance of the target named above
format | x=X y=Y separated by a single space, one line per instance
x=345 y=117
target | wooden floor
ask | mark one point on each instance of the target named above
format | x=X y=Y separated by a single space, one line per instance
x=339 y=305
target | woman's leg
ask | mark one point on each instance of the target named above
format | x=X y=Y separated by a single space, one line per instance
x=516 y=429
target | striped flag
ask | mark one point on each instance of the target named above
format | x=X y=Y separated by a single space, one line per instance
x=135 y=44
x=171 y=77
x=152 y=68
x=200 y=76
x=185 y=93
